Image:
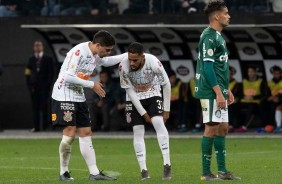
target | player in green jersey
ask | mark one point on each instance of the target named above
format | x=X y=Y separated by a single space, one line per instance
x=212 y=80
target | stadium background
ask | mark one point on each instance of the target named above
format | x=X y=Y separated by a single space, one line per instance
x=252 y=40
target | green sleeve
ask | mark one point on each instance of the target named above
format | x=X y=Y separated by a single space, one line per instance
x=209 y=73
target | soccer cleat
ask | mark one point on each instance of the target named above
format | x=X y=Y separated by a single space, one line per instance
x=66 y=177
x=227 y=176
x=167 y=172
x=144 y=175
x=100 y=176
x=278 y=130
x=209 y=177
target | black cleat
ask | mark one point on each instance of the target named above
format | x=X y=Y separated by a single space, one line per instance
x=167 y=172
x=101 y=176
x=144 y=175
x=209 y=177
x=227 y=176
x=66 y=177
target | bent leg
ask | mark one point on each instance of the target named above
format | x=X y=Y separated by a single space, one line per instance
x=139 y=146
x=163 y=137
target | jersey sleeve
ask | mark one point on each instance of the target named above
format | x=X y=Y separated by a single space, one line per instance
x=208 y=48
x=72 y=59
x=112 y=60
x=160 y=73
x=124 y=78
x=71 y=76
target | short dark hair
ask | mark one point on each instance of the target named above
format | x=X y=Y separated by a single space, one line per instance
x=136 y=48
x=214 y=5
x=275 y=68
x=104 y=38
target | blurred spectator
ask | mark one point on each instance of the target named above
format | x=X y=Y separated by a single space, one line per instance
x=277 y=6
x=49 y=7
x=8 y=8
x=194 y=110
x=187 y=6
x=72 y=7
x=254 y=90
x=235 y=87
x=275 y=99
x=30 y=7
x=118 y=121
x=102 y=7
x=103 y=106
x=137 y=7
x=178 y=93
x=39 y=76
x=122 y=5
x=162 y=6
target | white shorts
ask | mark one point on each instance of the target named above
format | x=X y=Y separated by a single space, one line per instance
x=211 y=113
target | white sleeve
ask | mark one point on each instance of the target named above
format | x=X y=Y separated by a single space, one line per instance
x=167 y=94
x=73 y=59
x=73 y=79
x=134 y=99
x=112 y=60
x=164 y=81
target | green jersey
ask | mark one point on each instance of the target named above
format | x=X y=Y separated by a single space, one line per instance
x=212 y=48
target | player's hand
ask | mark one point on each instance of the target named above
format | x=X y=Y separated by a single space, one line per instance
x=220 y=100
x=230 y=99
x=165 y=115
x=98 y=88
x=147 y=118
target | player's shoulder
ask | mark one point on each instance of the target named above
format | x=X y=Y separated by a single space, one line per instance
x=80 y=48
x=208 y=33
x=124 y=65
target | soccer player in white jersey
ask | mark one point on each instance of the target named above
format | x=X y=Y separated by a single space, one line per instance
x=142 y=75
x=69 y=108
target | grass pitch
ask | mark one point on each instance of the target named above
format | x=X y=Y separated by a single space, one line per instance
x=26 y=161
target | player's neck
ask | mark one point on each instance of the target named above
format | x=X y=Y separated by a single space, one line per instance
x=216 y=27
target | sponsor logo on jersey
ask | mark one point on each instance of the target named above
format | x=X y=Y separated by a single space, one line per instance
x=83 y=76
x=128 y=117
x=67 y=106
x=128 y=107
x=210 y=52
x=77 y=52
x=204 y=50
x=68 y=116
x=223 y=57
x=198 y=76
x=54 y=117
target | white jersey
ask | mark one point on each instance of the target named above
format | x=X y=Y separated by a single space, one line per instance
x=145 y=81
x=76 y=70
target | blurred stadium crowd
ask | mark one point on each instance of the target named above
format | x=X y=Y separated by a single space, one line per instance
x=13 y=8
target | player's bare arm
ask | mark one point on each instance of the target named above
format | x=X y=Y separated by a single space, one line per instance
x=98 y=88
x=165 y=115
x=147 y=118
x=230 y=99
x=220 y=100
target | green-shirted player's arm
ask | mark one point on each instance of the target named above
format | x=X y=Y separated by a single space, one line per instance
x=209 y=73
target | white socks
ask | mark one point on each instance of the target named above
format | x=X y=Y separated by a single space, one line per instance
x=65 y=153
x=139 y=145
x=278 y=118
x=163 y=137
x=88 y=153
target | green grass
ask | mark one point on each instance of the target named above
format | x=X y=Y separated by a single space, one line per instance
x=256 y=160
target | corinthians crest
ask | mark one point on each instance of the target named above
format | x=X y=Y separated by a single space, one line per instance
x=68 y=116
